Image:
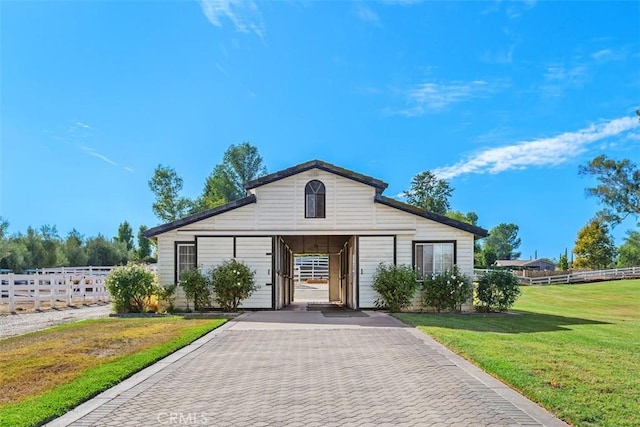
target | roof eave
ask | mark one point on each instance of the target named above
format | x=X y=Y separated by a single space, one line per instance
x=152 y=232
x=475 y=230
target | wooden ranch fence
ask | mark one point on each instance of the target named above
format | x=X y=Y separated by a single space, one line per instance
x=51 y=288
x=577 y=277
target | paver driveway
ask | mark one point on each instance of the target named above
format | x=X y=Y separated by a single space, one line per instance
x=298 y=368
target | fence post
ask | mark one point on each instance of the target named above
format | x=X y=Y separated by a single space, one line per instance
x=12 y=307
x=54 y=289
x=69 y=287
x=36 y=291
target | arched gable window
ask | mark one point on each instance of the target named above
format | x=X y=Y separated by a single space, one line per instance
x=314 y=197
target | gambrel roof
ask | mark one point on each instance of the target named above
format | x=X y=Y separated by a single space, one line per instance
x=378 y=185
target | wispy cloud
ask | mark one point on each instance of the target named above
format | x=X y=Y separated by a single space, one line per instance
x=244 y=14
x=83 y=125
x=558 y=78
x=431 y=97
x=129 y=169
x=609 y=54
x=366 y=14
x=90 y=151
x=541 y=152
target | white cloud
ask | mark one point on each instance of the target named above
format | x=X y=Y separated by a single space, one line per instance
x=437 y=96
x=244 y=14
x=90 y=151
x=83 y=125
x=546 y=151
x=129 y=169
x=559 y=78
x=364 y=13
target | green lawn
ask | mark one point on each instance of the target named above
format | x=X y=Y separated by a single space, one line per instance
x=45 y=374
x=574 y=349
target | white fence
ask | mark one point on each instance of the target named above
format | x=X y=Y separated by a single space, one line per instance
x=54 y=289
x=577 y=277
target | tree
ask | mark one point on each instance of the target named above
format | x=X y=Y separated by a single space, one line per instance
x=125 y=235
x=144 y=244
x=74 y=250
x=469 y=217
x=101 y=251
x=5 y=250
x=166 y=186
x=594 y=247
x=501 y=243
x=629 y=252
x=429 y=192
x=563 y=262
x=227 y=182
x=618 y=189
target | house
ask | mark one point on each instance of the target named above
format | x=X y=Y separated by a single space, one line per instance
x=541 y=264
x=314 y=208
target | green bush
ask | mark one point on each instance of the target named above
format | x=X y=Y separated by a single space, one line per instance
x=396 y=286
x=167 y=296
x=232 y=283
x=131 y=288
x=496 y=291
x=446 y=291
x=197 y=289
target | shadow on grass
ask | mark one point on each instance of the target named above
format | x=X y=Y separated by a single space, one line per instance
x=518 y=322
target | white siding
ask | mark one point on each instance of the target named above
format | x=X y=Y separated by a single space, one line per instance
x=372 y=251
x=256 y=252
x=212 y=251
x=166 y=262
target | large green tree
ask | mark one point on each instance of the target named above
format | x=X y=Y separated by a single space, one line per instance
x=144 y=244
x=104 y=252
x=594 y=247
x=618 y=187
x=629 y=251
x=227 y=182
x=125 y=235
x=166 y=185
x=501 y=243
x=429 y=192
x=74 y=249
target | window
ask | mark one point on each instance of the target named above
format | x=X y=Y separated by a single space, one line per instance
x=433 y=257
x=186 y=258
x=314 y=197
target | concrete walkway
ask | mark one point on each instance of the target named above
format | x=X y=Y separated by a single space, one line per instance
x=299 y=368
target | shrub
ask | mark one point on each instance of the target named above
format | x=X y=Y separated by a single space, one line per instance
x=131 y=288
x=197 y=288
x=496 y=291
x=446 y=291
x=232 y=283
x=395 y=285
x=167 y=296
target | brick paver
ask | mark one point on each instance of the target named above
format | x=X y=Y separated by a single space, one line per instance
x=294 y=372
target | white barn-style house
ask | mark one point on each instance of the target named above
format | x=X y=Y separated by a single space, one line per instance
x=314 y=208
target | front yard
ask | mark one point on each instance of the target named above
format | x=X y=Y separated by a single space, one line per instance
x=574 y=349
x=44 y=374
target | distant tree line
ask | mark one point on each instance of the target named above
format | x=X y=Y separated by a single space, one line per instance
x=43 y=247
x=431 y=193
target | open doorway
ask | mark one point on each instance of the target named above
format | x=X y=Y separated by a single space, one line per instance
x=321 y=269
x=311 y=278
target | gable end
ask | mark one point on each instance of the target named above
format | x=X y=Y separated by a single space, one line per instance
x=318 y=164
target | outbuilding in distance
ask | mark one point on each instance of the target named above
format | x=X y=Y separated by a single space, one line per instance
x=314 y=208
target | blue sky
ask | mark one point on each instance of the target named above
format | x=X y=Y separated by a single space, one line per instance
x=504 y=99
